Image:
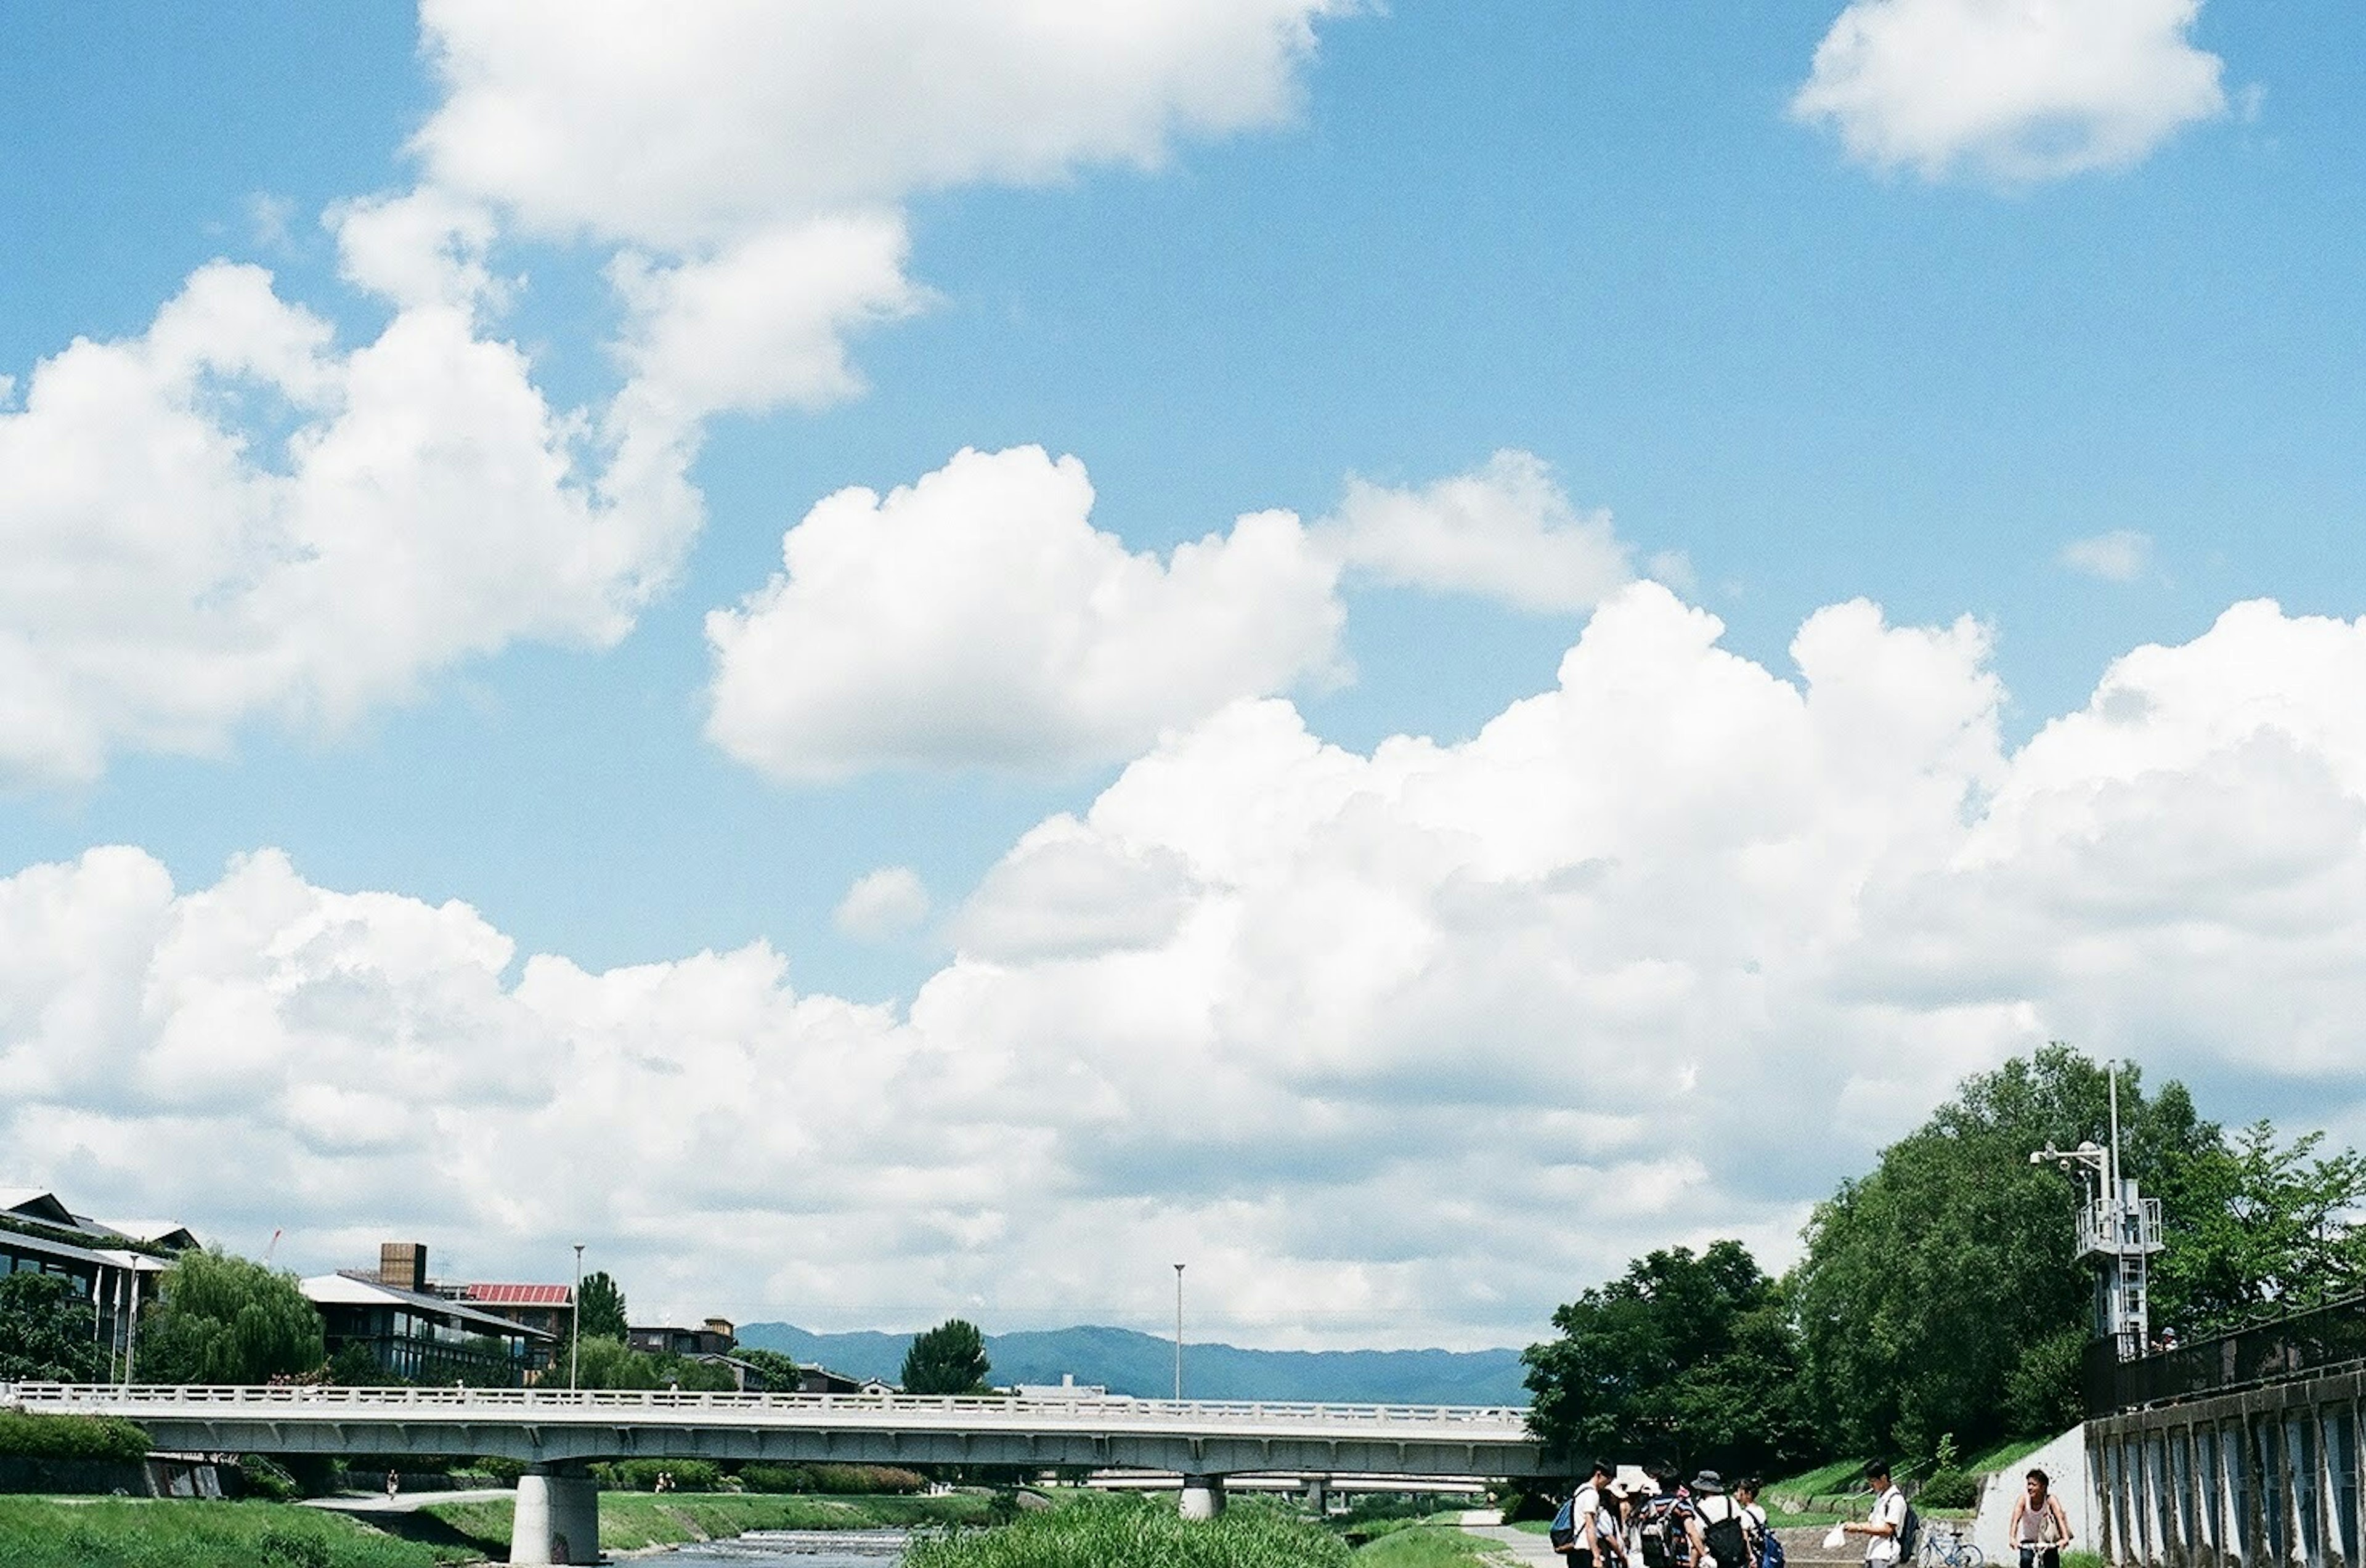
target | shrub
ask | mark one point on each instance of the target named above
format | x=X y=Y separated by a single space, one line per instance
x=266 y=1477
x=1949 y=1488
x=285 y=1549
x=864 y=1480
x=26 y=1436
x=641 y=1475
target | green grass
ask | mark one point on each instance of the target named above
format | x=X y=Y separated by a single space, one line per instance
x=123 y=1532
x=1134 y=1532
x=1425 y=1546
x=631 y=1520
x=2004 y=1454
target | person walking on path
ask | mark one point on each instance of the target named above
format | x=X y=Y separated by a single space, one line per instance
x=1881 y=1528
x=2038 y=1527
x=1724 y=1524
x=1585 y=1517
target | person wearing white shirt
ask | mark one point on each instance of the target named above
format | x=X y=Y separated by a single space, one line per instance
x=1888 y=1516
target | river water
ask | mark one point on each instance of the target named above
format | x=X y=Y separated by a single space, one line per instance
x=793 y=1548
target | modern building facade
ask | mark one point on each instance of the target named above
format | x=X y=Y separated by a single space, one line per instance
x=419 y=1334
x=716 y=1338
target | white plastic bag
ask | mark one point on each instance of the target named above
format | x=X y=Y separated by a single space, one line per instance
x=1836 y=1539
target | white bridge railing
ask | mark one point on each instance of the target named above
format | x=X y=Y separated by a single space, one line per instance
x=299 y=1401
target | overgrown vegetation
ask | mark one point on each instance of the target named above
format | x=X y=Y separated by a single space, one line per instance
x=1134 y=1532
x=32 y=1436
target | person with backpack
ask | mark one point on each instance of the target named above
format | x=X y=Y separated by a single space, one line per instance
x=1764 y=1543
x=1724 y=1524
x=2039 y=1527
x=1669 y=1532
x=1576 y=1529
x=1892 y=1529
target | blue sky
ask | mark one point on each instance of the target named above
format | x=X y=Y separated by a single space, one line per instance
x=1791 y=372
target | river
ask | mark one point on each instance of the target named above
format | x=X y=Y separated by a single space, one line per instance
x=792 y=1549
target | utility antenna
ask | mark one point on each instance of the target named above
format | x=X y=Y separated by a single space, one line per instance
x=2119 y=1227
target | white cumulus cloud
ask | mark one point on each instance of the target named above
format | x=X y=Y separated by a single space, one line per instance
x=1403 y=1046
x=1504 y=532
x=2011 y=89
x=230 y=516
x=977 y=618
x=884 y=903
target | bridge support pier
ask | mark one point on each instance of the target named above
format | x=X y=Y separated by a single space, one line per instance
x=1318 y=1494
x=558 y=1516
x=1203 y=1496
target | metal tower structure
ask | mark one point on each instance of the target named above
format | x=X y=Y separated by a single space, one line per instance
x=2120 y=1228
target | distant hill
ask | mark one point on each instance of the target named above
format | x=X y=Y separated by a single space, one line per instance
x=1126 y=1362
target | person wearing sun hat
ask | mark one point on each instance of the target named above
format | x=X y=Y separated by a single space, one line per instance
x=1724 y=1526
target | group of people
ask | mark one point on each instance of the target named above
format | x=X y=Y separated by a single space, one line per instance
x=1667 y=1524
x=1701 y=1525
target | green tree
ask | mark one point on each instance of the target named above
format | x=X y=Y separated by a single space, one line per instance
x=601 y=1307
x=226 y=1320
x=779 y=1370
x=1691 y=1361
x=45 y=1331
x=2255 y=1228
x=609 y=1363
x=948 y=1359
x=1941 y=1293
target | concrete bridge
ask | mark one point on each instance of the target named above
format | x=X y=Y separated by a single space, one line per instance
x=558 y=1432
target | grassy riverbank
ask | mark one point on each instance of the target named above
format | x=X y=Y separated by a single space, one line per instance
x=630 y=1520
x=1133 y=1532
x=126 y=1532
x=1426 y=1546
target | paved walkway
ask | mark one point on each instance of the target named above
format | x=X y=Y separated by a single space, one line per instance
x=1523 y=1546
x=403 y=1502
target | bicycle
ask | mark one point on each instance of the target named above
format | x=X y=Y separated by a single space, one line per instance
x=1943 y=1546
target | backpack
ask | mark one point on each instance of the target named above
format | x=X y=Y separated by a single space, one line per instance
x=1654 y=1531
x=1773 y=1556
x=1909 y=1529
x=1564 y=1525
x=1728 y=1538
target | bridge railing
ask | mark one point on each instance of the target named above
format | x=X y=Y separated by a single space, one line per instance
x=1097 y=1409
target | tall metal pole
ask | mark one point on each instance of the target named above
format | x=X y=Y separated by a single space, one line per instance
x=1178 y=1332
x=575 y=1327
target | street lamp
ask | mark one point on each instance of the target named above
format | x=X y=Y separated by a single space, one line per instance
x=575 y=1329
x=1178 y=1332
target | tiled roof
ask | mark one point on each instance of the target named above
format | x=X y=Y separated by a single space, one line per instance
x=517 y=1295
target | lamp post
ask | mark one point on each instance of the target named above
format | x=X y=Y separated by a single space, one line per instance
x=575 y=1327
x=1178 y=1332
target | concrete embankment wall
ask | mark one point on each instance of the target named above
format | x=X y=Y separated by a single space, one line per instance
x=2270 y=1475
x=152 y=1477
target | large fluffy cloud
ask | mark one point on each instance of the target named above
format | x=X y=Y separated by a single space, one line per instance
x=2015 y=89
x=721 y=117
x=977 y=618
x=229 y=515
x=1403 y=1046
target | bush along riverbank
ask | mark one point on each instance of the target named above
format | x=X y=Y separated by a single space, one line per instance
x=1134 y=1532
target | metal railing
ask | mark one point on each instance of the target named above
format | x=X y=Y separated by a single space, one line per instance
x=283 y=1402
x=2302 y=1344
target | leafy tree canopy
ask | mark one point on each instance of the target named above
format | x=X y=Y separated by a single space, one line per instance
x=1685 y=1359
x=228 y=1320
x=2255 y=1229
x=45 y=1331
x=1941 y=1293
x=600 y=1304
x=948 y=1359
x=604 y=1362
x=779 y=1370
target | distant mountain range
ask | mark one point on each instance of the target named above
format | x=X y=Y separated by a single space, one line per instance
x=1126 y=1362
